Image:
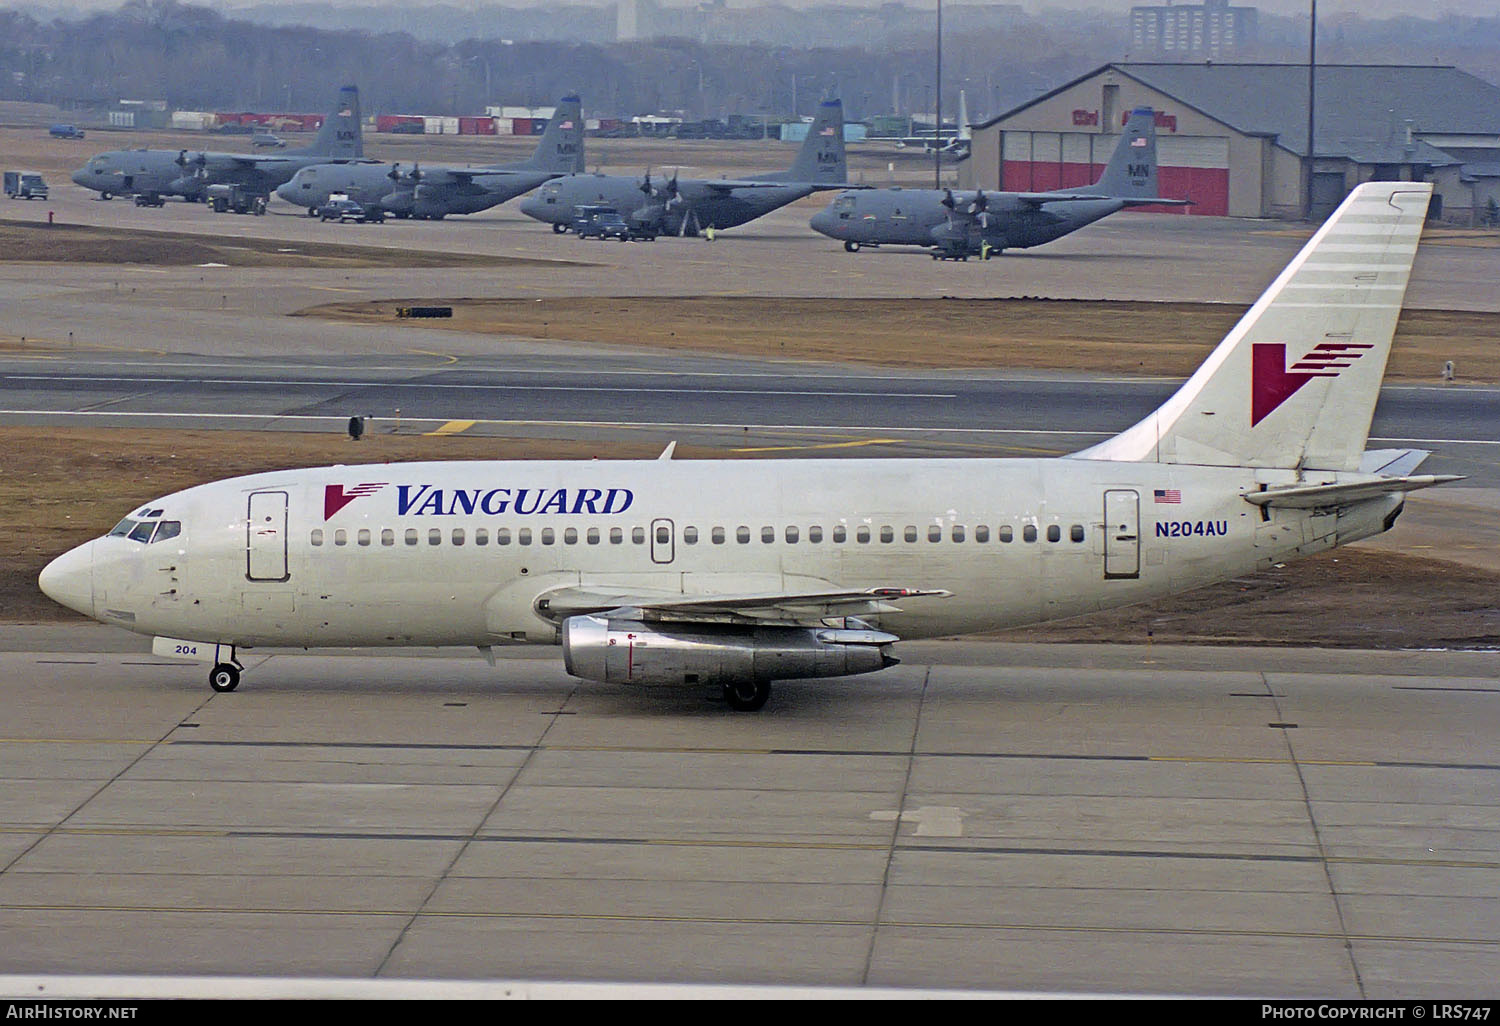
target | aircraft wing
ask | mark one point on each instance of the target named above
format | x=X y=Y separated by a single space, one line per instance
x=1146 y=202
x=1342 y=494
x=768 y=607
x=1036 y=199
x=468 y=174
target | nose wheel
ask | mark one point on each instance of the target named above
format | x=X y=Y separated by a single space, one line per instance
x=224 y=677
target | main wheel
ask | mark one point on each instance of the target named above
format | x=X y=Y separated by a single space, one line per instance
x=851 y=246
x=224 y=677
x=558 y=229
x=747 y=695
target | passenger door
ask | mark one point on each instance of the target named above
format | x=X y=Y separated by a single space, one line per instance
x=266 y=537
x=1122 y=534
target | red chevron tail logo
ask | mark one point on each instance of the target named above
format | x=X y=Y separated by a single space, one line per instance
x=1272 y=382
x=335 y=497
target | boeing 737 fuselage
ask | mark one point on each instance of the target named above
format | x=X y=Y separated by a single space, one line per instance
x=738 y=573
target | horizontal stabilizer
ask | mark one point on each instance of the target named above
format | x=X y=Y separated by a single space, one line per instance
x=1343 y=494
x=1392 y=462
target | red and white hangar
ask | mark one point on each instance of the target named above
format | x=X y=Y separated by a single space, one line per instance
x=1233 y=137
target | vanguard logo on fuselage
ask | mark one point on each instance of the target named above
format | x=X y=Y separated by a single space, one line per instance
x=425 y=500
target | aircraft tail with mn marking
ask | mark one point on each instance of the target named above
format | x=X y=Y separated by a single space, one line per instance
x=341 y=136
x=1294 y=384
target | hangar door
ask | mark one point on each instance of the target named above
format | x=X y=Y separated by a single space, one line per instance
x=1188 y=167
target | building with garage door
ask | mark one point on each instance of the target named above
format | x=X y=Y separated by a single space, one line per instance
x=1232 y=137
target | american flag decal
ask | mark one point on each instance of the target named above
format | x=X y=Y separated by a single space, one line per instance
x=826 y=131
x=567 y=124
x=1138 y=142
x=1168 y=495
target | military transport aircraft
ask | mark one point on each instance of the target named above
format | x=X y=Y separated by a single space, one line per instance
x=735 y=573
x=435 y=192
x=673 y=206
x=153 y=174
x=958 y=225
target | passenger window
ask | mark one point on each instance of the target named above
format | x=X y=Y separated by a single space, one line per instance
x=958 y=533
x=981 y=533
x=502 y=536
x=340 y=537
x=434 y=536
x=1028 y=533
x=690 y=536
x=363 y=536
x=458 y=536
x=411 y=536
x=791 y=536
x=387 y=536
x=168 y=529
x=142 y=532
x=1006 y=534
x=616 y=536
x=717 y=535
x=742 y=535
x=862 y=534
x=570 y=536
x=1077 y=532
x=663 y=535
x=840 y=534
x=638 y=535
x=481 y=536
x=523 y=536
x=910 y=534
x=317 y=536
x=815 y=534
x=887 y=535
x=934 y=533
x=767 y=535
x=593 y=536
x=1054 y=533
x=547 y=536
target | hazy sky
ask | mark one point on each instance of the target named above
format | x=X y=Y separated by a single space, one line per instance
x=1373 y=8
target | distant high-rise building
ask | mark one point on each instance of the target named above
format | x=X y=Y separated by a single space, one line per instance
x=1192 y=31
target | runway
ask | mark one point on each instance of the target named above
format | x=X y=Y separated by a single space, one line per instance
x=990 y=817
x=994 y=818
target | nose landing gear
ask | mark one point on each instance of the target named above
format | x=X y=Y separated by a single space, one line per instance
x=225 y=677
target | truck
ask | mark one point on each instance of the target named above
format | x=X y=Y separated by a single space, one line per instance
x=235 y=198
x=25 y=185
x=66 y=132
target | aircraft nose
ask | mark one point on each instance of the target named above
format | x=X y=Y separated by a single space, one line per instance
x=80 y=176
x=534 y=206
x=288 y=191
x=69 y=579
x=824 y=221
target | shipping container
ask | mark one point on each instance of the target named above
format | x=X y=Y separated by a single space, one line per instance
x=520 y=126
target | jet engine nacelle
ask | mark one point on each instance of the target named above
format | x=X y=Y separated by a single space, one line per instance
x=633 y=652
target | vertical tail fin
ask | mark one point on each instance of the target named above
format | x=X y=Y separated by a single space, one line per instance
x=561 y=145
x=1294 y=384
x=1131 y=171
x=821 y=158
x=341 y=135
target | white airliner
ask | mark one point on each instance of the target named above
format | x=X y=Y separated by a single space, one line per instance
x=738 y=573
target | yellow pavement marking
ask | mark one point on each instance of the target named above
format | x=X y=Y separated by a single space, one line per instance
x=453 y=427
x=823 y=445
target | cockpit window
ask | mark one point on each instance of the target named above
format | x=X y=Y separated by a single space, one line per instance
x=167 y=529
x=844 y=203
x=122 y=528
x=142 y=531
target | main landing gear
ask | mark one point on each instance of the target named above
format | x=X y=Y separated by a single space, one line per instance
x=225 y=677
x=747 y=695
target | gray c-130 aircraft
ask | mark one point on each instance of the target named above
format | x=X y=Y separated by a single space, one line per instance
x=435 y=192
x=686 y=206
x=956 y=225
x=151 y=175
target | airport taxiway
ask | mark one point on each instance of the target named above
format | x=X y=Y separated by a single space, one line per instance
x=1211 y=821
x=1246 y=822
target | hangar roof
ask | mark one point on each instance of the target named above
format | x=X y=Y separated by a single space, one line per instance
x=1362 y=108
